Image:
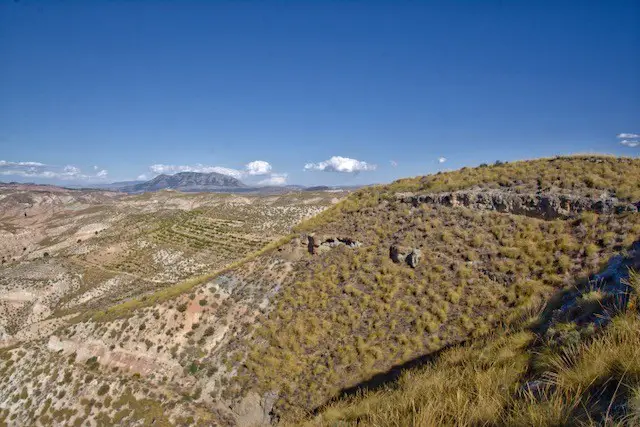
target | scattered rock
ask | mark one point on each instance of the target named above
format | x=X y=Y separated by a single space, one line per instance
x=402 y=254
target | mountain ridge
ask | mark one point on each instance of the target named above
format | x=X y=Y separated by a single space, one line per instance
x=187 y=181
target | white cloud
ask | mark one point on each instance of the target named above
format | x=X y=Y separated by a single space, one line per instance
x=628 y=135
x=393 y=163
x=442 y=159
x=630 y=143
x=42 y=170
x=258 y=167
x=275 y=179
x=71 y=171
x=142 y=177
x=340 y=164
x=95 y=167
x=6 y=163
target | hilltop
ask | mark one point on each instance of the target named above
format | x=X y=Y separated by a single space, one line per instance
x=458 y=275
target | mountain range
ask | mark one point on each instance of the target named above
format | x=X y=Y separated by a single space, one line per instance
x=202 y=182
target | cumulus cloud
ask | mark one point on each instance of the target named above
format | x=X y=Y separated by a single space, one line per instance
x=42 y=170
x=630 y=142
x=257 y=167
x=393 y=163
x=340 y=164
x=275 y=179
x=628 y=135
x=629 y=139
x=442 y=159
x=142 y=177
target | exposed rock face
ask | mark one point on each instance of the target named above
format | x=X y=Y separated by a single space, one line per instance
x=539 y=205
x=318 y=244
x=401 y=254
x=254 y=410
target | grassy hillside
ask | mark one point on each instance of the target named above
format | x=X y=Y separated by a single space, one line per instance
x=353 y=313
x=580 y=174
x=514 y=377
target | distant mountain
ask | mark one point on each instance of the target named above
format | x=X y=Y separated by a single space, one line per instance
x=334 y=187
x=188 y=181
x=114 y=186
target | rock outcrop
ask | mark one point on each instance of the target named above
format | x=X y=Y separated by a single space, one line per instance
x=254 y=410
x=318 y=244
x=402 y=254
x=538 y=205
x=612 y=290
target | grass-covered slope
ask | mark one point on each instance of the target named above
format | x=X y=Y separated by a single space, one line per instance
x=352 y=313
x=514 y=377
x=578 y=175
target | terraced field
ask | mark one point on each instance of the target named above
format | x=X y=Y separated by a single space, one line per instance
x=94 y=255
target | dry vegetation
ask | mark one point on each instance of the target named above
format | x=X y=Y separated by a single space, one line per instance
x=179 y=309
x=515 y=378
x=588 y=175
x=353 y=313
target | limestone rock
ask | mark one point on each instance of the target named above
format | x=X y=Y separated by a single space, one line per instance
x=537 y=205
x=317 y=244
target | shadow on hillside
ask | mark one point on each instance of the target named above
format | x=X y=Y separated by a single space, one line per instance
x=560 y=307
x=385 y=379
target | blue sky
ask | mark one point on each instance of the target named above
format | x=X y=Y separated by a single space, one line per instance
x=358 y=92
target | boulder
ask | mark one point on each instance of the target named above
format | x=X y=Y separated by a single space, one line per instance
x=313 y=244
x=398 y=253
x=413 y=258
x=402 y=254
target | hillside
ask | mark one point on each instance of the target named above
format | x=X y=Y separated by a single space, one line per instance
x=388 y=279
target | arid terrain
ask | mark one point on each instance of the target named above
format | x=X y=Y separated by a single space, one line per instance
x=221 y=309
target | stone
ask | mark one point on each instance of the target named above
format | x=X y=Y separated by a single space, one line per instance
x=402 y=254
x=398 y=253
x=539 y=205
x=413 y=258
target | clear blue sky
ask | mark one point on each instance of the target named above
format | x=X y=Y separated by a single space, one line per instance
x=116 y=87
